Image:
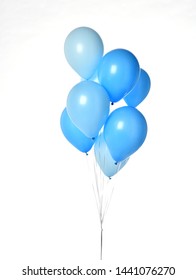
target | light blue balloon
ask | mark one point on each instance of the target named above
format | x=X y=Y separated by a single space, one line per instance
x=124 y=132
x=83 y=49
x=88 y=106
x=118 y=72
x=104 y=158
x=140 y=91
x=74 y=135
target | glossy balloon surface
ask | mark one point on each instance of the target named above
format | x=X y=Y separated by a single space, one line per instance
x=118 y=72
x=88 y=107
x=74 y=135
x=124 y=132
x=83 y=50
x=140 y=91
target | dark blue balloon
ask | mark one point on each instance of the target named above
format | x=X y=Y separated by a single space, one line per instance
x=118 y=73
x=140 y=91
x=125 y=131
x=74 y=135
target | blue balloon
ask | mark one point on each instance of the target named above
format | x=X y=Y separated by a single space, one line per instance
x=88 y=106
x=140 y=91
x=118 y=72
x=83 y=49
x=74 y=135
x=104 y=158
x=124 y=132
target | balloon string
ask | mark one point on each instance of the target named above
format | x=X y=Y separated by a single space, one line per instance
x=103 y=191
x=101 y=249
x=93 y=186
x=108 y=203
x=99 y=181
x=101 y=185
x=96 y=179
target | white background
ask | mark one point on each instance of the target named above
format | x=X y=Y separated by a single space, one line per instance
x=48 y=215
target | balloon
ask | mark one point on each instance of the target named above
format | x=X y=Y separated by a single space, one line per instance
x=104 y=158
x=140 y=91
x=125 y=131
x=74 y=135
x=88 y=107
x=118 y=72
x=83 y=50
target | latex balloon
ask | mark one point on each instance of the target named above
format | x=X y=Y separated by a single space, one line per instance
x=88 y=107
x=118 y=72
x=104 y=158
x=74 y=135
x=140 y=91
x=83 y=50
x=124 y=132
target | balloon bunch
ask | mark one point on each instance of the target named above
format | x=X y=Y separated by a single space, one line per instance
x=106 y=79
x=87 y=121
